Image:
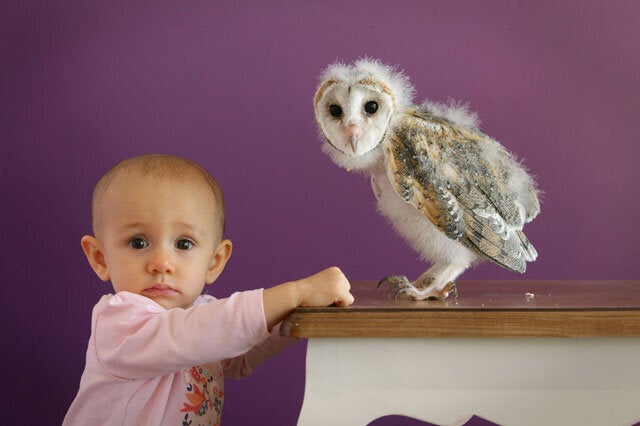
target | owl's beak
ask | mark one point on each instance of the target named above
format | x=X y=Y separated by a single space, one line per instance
x=354 y=136
x=354 y=144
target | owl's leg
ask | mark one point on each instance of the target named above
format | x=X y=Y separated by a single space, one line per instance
x=441 y=282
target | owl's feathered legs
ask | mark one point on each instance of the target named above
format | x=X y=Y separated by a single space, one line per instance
x=435 y=284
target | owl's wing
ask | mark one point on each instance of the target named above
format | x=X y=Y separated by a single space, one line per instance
x=460 y=179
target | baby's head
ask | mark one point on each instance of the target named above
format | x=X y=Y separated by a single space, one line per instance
x=158 y=222
x=158 y=168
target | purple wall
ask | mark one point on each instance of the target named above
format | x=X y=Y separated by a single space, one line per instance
x=86 y=84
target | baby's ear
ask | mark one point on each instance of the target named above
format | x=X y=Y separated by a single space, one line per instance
x=219 y=260
x=95 y=256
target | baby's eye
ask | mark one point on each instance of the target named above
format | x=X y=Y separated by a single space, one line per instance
x=138 y=243
x=184 y=244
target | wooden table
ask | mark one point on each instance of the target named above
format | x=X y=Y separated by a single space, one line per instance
x=513 y=352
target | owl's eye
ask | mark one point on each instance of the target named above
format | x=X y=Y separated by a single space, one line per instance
x=335 y=111
x=371 y=107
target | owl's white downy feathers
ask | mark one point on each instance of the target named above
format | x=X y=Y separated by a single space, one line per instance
x=453 y=193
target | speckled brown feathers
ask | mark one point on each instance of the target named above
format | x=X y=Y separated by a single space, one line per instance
x=459 y=179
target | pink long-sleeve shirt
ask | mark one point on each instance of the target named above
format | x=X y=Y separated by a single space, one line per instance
x=147 y=365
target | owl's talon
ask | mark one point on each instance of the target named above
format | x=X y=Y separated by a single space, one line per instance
x=398 y=293
x=394 y=290
x=452 y=288
x=393 y=280
x=398 y=285
x=383 y=281
x=449 y=288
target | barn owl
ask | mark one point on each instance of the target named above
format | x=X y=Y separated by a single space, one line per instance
x=454 y=194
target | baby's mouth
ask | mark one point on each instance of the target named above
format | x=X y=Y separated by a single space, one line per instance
x=159 y=290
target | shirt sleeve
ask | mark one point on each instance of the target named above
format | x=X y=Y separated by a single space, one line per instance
x=243 y=365
x=137 y=338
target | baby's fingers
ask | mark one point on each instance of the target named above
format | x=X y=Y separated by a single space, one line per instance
x=345 y=298
x=345 y=301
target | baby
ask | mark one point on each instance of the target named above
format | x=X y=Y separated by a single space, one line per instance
x=159 y=349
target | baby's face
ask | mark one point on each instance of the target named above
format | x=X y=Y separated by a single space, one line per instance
x=159 y=239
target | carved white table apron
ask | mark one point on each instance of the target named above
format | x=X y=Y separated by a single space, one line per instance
x=516 y=353
x=515 y=381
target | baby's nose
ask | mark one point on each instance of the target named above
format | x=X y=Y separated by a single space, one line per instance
x=160 y=261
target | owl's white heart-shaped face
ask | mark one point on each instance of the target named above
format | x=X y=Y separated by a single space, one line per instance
x=355 y=106
x=354 y=118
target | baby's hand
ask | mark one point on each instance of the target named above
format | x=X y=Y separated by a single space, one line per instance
x=324 y=288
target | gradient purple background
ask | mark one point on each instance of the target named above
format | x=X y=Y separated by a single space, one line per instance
x=86 y=84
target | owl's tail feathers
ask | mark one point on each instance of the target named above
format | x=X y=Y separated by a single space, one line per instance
x=529 y=251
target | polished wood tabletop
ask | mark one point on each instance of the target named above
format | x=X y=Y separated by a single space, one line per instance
x=518 y=308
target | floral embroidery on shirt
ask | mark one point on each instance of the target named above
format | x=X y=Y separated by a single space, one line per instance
x=205 y=395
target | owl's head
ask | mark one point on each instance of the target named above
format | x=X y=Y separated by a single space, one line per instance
x=354 y=105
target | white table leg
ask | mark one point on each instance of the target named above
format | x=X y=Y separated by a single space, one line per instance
x=513 y=382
